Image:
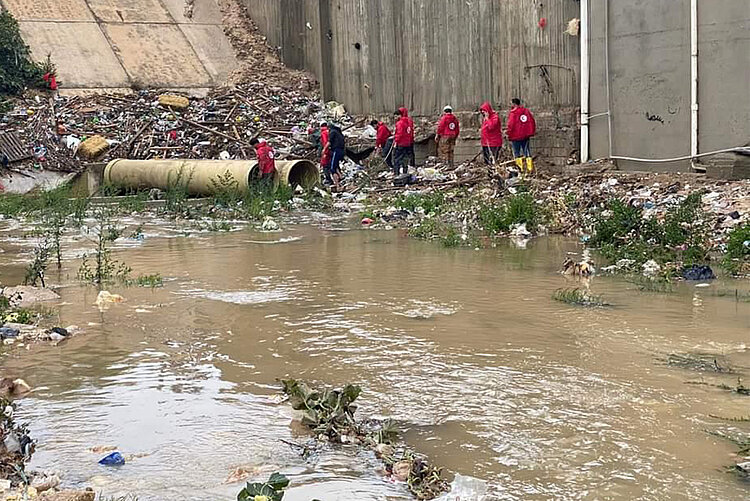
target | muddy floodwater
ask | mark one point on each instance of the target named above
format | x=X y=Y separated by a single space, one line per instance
x=465 y=349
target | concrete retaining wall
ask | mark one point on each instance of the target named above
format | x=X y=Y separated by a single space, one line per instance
x=649 y=53
x=375 y=56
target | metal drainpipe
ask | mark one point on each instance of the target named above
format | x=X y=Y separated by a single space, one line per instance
x=585 y=81
x=694 y=84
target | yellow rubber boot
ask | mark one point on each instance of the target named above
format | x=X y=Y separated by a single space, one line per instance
x=530 y=164
x=519 y=164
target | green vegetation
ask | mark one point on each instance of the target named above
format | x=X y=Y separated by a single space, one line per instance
x=330 y=415
x=9 y=313
x=737 y=258
x=270 y=490
x=578 y=297
x=327 y=412
x=428 y=203
x=510 y=211
x=17 y=70
x=621 y=232
x=152 y=281
x=38 y=266
x=105 y=269
x=660 y=285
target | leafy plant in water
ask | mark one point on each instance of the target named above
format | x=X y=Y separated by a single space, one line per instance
x=105 y=269
x=328 y=412
x=36 y=269
x=652 y=284
x=177 y=192
x=226 y=189
x=578 y=297
x=152 y=281
x=270 y=490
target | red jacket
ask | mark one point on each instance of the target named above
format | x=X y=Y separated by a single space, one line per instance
x=325 y=156
x=448 y=126
x=383 y=134
x=521 y=124
x=265 y=157
x=404 y=129
x=492 y=127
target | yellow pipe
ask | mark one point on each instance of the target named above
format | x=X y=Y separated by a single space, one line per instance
x=200 y=177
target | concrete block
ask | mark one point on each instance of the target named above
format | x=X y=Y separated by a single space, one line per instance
x=213 y=49
x=204 y=11
x=157 y=55
x=83 y=56
x=47 y=10
x=127 y=11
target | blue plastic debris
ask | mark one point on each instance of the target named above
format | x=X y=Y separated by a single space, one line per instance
x=8 y=332
x=114 y=459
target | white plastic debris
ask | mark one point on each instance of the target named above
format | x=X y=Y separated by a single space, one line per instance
x=519 y=230
x=651 y=268
x=269 y=224
x=465 y=488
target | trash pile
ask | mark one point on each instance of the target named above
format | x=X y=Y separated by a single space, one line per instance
x=581 y=197
x=16 y=446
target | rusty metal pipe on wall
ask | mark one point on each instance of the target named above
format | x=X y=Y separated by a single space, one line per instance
x=200 y=177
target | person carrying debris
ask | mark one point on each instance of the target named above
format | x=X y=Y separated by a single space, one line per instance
x=384 y=142
x=337 y=145
x=325 y=151
x=404 y=141
x=447 y=133
x=521 y=127
x=492 y=133
x=266 y=162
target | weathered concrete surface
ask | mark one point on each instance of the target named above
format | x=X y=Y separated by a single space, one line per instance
x=84 y=56
x=157 y=55
x=649 y=57
x=49 y=10
x=115 y=44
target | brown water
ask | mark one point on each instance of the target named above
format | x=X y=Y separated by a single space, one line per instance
x=465 y=349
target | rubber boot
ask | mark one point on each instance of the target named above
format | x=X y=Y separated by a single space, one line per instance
x=530 y=164
x=519 y=164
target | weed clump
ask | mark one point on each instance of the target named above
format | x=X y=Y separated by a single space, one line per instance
x=330 y=414
x=737 y=258
x=578 y=297
x=511 y=211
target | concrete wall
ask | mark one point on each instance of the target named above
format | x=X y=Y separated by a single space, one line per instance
x=116 y=45
x=649 y=65
x=377 y=55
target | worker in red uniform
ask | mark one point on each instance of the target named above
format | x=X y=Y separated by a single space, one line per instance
x=447 y=133
x=325 y=151
x=383 y=142
x=492 y=134
x=404 y=141
x=266 y=162
x=521 y=127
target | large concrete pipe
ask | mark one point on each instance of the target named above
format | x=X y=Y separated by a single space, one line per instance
x=201 y=176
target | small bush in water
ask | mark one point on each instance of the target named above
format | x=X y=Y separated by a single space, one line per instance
x=578 y=297
x=270 y=490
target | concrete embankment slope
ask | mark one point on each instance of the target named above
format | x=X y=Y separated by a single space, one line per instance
x=107 y=45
